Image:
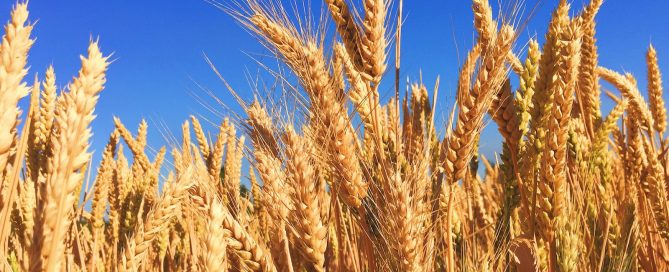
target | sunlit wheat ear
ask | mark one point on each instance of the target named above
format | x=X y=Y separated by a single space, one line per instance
x=228 y=238
x=32 y=153
x=601 y=140
x=638 y=106
x=538 y=192
x=504 y=111
x=136 y=147
x=215 y=240
x=244 y=246
x=301 y=175
x=233 y=163
x=117 y=194
x=474 y=103
x=14 y=52
x=483 y=21
x=348 y=30
x=654 y=186
x=587 y=86
x=200 y=137
x=70 y=154
x=329 y=113
x=215 y=159
x=351 y=178
x=166 y=208
x=262 y=128
x=655 y=92
x=103 y=182
x=568 y=58
x=364 y=98
x=374 y=41
x=46 y=116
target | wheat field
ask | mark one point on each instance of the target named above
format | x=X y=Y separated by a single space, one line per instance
x=351 y=181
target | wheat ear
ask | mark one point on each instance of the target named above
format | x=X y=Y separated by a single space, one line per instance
x=46 y=116
x=485 y=25
x=360 y=93
x=347 y=29
x=103 y=181
x=244 y=246
x=587 y=86
x=215 y=242
x=157 y=220
x=200 y=137
x=475 y=103
x=374 y=40
x=638 y=106
x=307 y=62
x=301 y=176
x=13 y=56
x=655 y=91
x=70 y=149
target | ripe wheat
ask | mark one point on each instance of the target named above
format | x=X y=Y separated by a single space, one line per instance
x=347 y=179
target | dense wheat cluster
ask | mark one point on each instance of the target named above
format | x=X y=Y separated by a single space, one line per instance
x=345 y=180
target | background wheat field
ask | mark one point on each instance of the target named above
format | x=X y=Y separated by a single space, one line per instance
x=334 y=157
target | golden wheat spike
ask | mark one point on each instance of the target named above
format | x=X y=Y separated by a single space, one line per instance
x=70 y=149
x=655 y=92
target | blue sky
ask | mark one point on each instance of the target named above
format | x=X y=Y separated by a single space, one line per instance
x=158 y=49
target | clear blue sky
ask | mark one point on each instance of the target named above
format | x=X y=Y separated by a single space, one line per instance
x=158 y=49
